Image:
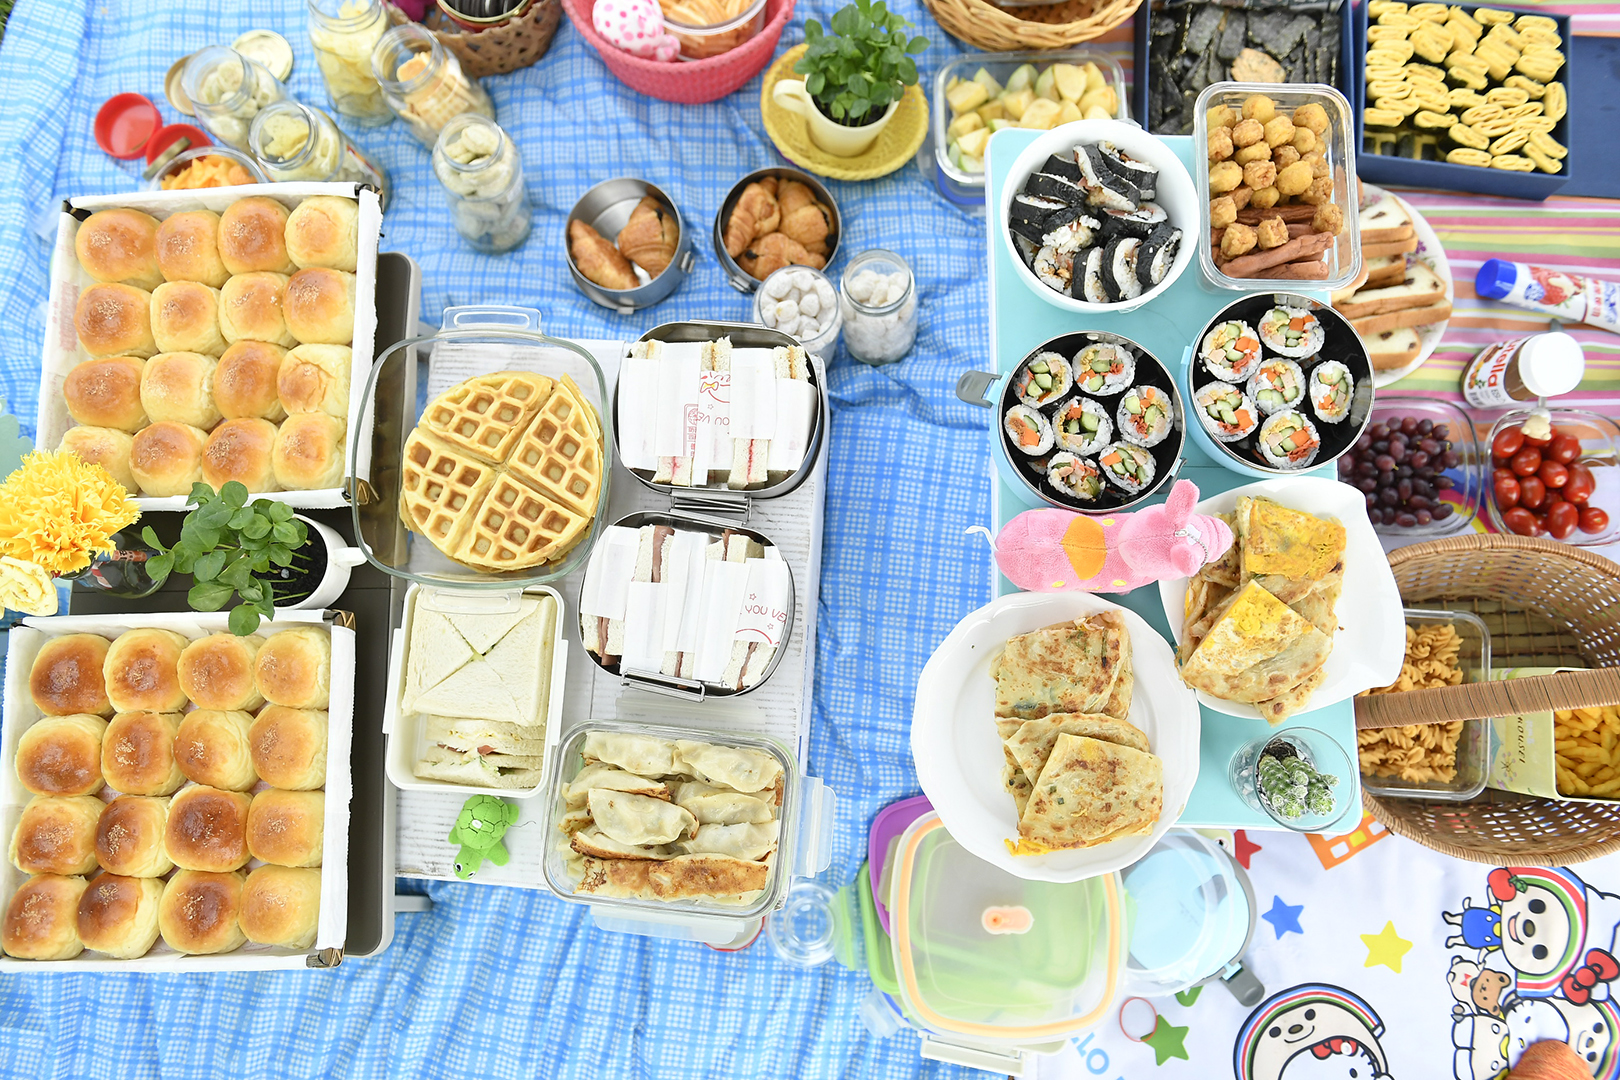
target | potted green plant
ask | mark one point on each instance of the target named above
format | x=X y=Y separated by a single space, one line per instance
x=853 y=77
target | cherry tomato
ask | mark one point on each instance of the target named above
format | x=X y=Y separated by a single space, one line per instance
x=1526 y=461
x=1553 y=474
x=1593 y=520
x=1502 y=472
x=1507 y=443
x=1563 y=449
x=1507 y=492
x=1521 y=521
x=1532 y=493
x=1562 y=517
x=1536 y=441
x=1580 y=485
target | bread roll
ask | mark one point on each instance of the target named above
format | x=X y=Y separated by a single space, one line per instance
x=287 y=827
x=185 y=317
x=119 y=245
x=253 y=236
x=240 y=450
x=115 y=320
x=105 y=447
x=129 y=837
x=320 y=306
x=166 y=459
x=61 y=755
x=140 y=671
x=289 y=747
x=188 y=248
x=178 y=387
x=309 y=452
x=281 y=905
x=324 y=230
x=245 y=381
x=66 y=677
x=315 y=378
x=106 y=392
x=207 y=829
x=137 y=753
x=212 y=748
x=199 y=911
x=250 y=307
x=56 y=835
x=216 y=672
x=295 y=668
x=118 y=916
x=42 y=920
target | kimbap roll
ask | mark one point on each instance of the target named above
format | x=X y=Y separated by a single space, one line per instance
x=1055 y=187
x=1104 y=187
x=1074 y=477
x=1103 y=369
x=1277 y=385
x=1226 y=412
x=1055 y=268
x=1029 y=213
x=1119 y=268
x=1289 y=440
x=1144 y=416
x=1069 y=230
x=1063 y=165
x=1091 y=285
x=1230 y=351
x=1144 y=176
x=1082 y=426
x=1044 y=378
x=1331 y=387
x=1157 y=255
x=1290 y=331
x=1129 y=468
x=1028 y=430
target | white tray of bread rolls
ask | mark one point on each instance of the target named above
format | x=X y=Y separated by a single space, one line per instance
x=175 y=798
x=214 y=334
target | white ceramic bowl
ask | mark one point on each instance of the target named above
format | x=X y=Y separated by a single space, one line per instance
x=1174 y=192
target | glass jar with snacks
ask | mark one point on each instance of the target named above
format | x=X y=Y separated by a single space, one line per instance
x=482 y=174
x=344 y=33
x=1505 y=374
x=799 y=300
x=423 y=83
x=879 y=304
x=710 y=27
x=228 y=90
x=208 y=167
x=294 y=141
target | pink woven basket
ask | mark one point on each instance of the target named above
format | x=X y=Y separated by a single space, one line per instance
x=687 y=82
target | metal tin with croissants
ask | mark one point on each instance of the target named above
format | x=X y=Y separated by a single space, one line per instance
x=613 y=219
x=819 y=244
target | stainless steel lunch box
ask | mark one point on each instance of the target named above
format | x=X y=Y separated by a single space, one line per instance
x=740 y=279
x=606 y=208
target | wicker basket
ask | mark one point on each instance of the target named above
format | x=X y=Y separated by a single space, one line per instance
x=1053 y=26
x=690 y=82
x=515 y=43
x=1546 y=605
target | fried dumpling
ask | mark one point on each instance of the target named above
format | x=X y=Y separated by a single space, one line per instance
x=648 y=239
x=601 y=775
x=735 y=767
x=745 y=841
x=598 y=844
x=713 y=805
x=636 y=819
x=686 y=877
x=599 y=260
x=641 y=754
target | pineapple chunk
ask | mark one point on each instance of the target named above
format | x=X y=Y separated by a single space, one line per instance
x=1071 y=81
x=1017 y=101
x=1046 y=85
x=1041 y=114
x=992 y=110
x=966 y=97
x=1021 y=79
x=963 y=124
x=988 y=81
x=972 y=144
x=1068 y=113
x=1095 y=79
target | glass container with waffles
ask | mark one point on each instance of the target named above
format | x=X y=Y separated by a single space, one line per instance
x=480 y=461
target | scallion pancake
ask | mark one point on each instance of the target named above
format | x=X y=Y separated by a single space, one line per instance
x=1280 y=708
x=1289 y=544
x=1258 y=649
x=1033 y=743
x=1068 y=668
x=1091 y=792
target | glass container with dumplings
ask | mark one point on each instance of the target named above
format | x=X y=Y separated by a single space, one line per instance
x=480 y=461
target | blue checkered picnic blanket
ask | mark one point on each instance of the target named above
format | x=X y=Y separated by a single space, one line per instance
x=498 y=983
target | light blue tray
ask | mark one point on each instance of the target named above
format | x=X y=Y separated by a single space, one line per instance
x=1018 y=323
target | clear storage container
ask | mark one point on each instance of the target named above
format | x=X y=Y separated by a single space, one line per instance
x=423 y=83
x=1467 y=478
x=249 y=164
x=227 y=89
x=482 y=174
x=343 y=34
x=878 y=301
x=1600 y=452
x=770 y=296
x=294 y=141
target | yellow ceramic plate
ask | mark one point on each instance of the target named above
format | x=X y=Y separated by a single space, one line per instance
x=788 y=130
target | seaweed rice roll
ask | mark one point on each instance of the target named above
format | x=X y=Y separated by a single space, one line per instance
x=1129 y=468
x=1331 y=388
x=1081 y=426
x=1226 y=412
x=1028 y=430
x=1103 y=369
x=1091 y=279
x=1045 y=378
x=1230 y=351
x=1291 y=331
x=1074 y=477
x=1277 y=385
x=1289 y=440
x=1144 y=416
x=1119 y=268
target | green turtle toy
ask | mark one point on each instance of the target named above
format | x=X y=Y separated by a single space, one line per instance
x=479 y=827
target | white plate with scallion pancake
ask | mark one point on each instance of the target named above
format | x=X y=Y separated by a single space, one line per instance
x=960 y=754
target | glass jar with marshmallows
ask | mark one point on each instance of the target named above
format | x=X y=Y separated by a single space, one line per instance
x=227 y=89
x=344 y=33
x=482 y=174
x=294 y=141
x=879 y=304
x=799 y=300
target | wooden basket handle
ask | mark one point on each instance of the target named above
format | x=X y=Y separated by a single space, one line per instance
x=1481 y=701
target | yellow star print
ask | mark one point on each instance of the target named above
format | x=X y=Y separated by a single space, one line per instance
x=1386 y=947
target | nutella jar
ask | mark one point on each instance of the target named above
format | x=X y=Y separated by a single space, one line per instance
x=1506 y=374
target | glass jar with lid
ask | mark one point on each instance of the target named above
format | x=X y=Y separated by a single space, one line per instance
x=227 y=89
x=423 y=83
x=878 y=299
x=344 y=34
x=482 y=174
x=294 y=141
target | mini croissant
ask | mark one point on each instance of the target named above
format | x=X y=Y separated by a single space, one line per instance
x=755 y=215
x=599 y=260
x=648 y=239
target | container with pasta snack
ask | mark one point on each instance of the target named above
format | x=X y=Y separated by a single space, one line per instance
x=1571 y=755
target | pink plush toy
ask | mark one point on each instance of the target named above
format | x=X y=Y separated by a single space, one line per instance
x=1060 y=551
x=637 y=27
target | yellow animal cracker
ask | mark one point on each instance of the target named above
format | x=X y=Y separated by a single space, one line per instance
x=1506 y=34
x=1396 y=20
x=1405 y=106
x=1478 y=113
x=1425 y=72
x=1535 y=22
x=1542 y=161
x=1375 y=8
x=1534 y=124
x=1513 y=163
x=1510 y=142
x=1465 y=156
x=1430 y=42
x=1527 y=111
x=1465 y=22
x=1532 y=89
x=1470 y=79
x=1534 y=37
x=1495 y=127
x=1538 y=66
x=1385 y=118
x=1429 y=12
x=1466 y=136
x=1381 y=50
x=1426 y=118
x=1394 y=89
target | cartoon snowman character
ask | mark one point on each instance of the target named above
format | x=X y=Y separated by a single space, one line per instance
x=1589 y=1029
x=1481 y=1047
x=1554 y=931
x=1311 y=1032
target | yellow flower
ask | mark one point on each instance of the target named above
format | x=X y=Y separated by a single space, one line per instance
x=58 y=510
x=25 y=587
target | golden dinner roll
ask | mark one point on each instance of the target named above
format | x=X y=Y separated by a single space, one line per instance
x=211 y=748
x=188 y=248
x=251 y=308
x=119 y=245
x=253 y=236
x=140 y=671
x=66 y=677
x=287 y=827
x=118 y=916
x=216 y=672
x=185 y=317
x=320 y=306
x=240 y=450
x=281 y=905
x=178 y=387
x=207 y=829
x=309 y=452
x=56 y=835
x=105 y=447
x=115 y=320
x=166 y=459
x=324 y=230
x=61 y=755
x=106 y=392
x=245 y=381
x=294 y=668
x=315 y=378
x=42 y=920
x=289 y=747
x=129 y=836
x=199 y=911
x=137 y=753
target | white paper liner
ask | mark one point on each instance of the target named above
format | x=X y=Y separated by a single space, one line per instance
x=795 y=414
x=608 y=577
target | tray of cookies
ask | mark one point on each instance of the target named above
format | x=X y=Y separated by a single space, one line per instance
x=175 y=797
x=210 y=335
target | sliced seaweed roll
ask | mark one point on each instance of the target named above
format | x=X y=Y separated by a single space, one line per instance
x=1045 y=378
x=1292 y=332
x=1226 y=412
x=1082 y=426
x=1055 y=268
x=1070 y=229
x=1103 y=369
x=1157 y=255
x=1028 y=430
x=1119 y=268
x=1055 y=187
x=1129 y=468
x=1331 y=388
x=1028 y=214
x=1231 y=351
x=1144 y=416
x=1063 y=165
x=1277 y=385
x=1144 y=176
x=1074 y=477
x=1104 y=187
x=1289 y=440
x=1091 y=281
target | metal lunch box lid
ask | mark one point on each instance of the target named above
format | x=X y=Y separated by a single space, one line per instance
x=606 y=207
x=742 y=280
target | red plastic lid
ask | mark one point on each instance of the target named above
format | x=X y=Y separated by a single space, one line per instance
x=167 y=135
x=126 y=124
